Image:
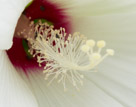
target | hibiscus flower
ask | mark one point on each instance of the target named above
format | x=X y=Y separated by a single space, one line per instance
x=22 y=82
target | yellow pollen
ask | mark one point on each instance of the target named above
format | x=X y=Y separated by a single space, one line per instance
x=101 y=44
x=85 y=48
x=90 y=43
x=110 y=52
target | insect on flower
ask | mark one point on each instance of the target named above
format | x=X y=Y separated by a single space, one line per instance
x=65 y=56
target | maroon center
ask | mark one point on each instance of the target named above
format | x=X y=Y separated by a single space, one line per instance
x=39 y=9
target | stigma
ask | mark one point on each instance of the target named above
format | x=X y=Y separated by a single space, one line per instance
x=65 y=57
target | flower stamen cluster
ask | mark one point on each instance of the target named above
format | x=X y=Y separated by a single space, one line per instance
x=65 y=56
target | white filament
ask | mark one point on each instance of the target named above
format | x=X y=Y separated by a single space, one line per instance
x=65 y=55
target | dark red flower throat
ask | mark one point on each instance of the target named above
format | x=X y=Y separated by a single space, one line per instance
x=39 y=9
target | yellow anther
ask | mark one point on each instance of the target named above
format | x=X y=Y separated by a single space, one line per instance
x=101 y=44
x=90 y=43
x=96 y=56
x=110 y=52
x=85 y=48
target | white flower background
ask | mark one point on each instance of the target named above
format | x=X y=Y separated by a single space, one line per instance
x=114 y=85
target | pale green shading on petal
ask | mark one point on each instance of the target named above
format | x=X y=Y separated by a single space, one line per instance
x=103 y=7
x=26 y=48
x=29 y=4
x=43 y=21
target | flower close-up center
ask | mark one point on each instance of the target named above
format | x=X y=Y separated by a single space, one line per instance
x=67 y=53
x=63 y=56
x=36 y=10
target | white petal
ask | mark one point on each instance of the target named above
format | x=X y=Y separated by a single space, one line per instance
x=117 y=74
x=100 y=7
x=90 y=94
x=10 y=11
x=13 y=91
x=114 y=84
x=116 y=87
